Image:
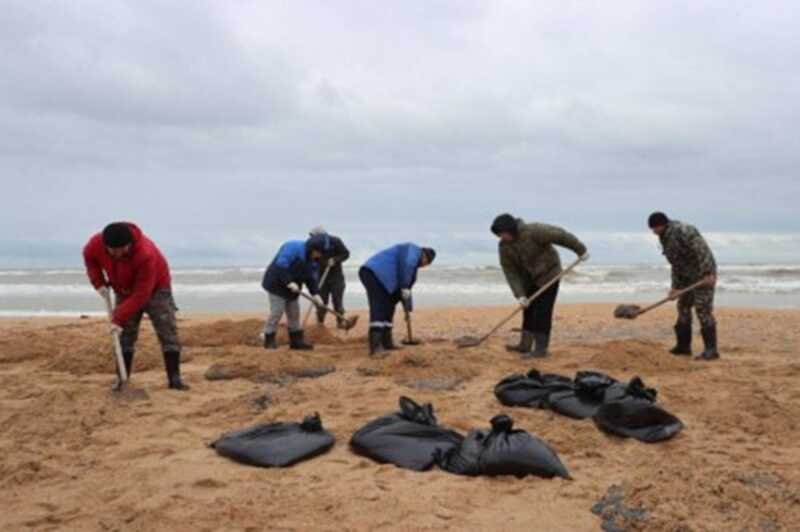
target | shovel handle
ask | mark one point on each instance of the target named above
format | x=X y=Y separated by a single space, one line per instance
x=321 y=282
x=408 y=328
x=335 y=313
x=680 y=292
x=115 y=342
x=539 y=292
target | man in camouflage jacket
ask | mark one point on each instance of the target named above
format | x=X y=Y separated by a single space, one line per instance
x=529 y=260
x=692 y=261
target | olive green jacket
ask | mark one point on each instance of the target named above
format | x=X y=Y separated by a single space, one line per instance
x=531 y=260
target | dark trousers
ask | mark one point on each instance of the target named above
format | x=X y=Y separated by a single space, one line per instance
x=381 y=302
x=333 y=288
x=538 y=317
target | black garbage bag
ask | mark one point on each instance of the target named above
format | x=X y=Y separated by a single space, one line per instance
x=502 y=450
x=409 y=438
x=276 y=444
x=587 y=396
x=637 y=418
x=531 y=390
x=635 y=389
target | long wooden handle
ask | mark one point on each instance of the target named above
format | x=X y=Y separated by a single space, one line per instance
x=321 y=282
x=682 y=291
x=121 y=370
x=335 y=313
x=539 y=292
x=408 y=327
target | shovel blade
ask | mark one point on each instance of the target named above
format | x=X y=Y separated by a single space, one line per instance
x=627 y=312
x=349 y=323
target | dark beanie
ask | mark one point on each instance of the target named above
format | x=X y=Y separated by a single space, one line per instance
x=657 y=219
x=505 y=223
x=429 y=254
x=117 y=235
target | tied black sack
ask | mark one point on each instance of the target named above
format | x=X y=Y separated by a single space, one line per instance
x=503 y=450
x=585 y=398
x=630 y=412
x=276 y=444
x=532 y=389
x=409 y=438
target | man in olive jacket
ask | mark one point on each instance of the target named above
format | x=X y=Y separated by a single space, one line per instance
x=529 y=260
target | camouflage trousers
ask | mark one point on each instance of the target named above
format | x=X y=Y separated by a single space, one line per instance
x=702 y=299
x=161 y=310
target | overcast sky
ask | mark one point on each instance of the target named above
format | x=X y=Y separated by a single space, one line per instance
x=226 y=127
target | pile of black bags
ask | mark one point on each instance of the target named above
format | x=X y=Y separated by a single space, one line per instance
x=276 y=444
x=627 y=410
x=410 y=438
x=502 y=450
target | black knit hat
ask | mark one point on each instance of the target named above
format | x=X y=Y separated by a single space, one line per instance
x=429 y=254
x=505 y=223
x=117 y=235
x=657 y=219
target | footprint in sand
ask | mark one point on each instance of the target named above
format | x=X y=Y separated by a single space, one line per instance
x=209 y=483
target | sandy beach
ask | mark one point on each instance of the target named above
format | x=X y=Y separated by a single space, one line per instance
x=74 y=457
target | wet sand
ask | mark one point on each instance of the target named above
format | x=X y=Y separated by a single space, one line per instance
x=74 y=457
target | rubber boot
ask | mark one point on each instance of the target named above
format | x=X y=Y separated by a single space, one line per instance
x=710 y=341
x=376 y=342
x=321 y=317
x=172 y=362
x=269 y=341
x=542 y=343
x=525 y=343
x=341 y=323
x=683 y=334
x=387 y=340
x=127 y=357
x=297 y=341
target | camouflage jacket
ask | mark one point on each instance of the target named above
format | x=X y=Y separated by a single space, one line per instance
x=531 y=260
x=688 y=254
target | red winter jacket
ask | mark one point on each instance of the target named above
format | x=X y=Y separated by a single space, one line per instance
x=134 y=278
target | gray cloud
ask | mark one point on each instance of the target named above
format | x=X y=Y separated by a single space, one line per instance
x=217 y=125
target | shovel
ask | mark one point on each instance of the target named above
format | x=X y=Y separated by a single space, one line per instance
x=631 y=312
x=409 y=339
x=321 y=282
x=349 y=323
x=123 y=390
x=471 y=341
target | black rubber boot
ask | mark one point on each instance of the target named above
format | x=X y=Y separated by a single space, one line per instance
x=270 y=342
x=341 y=323
x=387 y=341
x=525 y=343
x=376 y=342
x=542 y=343
x=297 y=341
x=321 y=317
x=683 y=334
x=127 y=357
x=710 y=341
x=172 y=362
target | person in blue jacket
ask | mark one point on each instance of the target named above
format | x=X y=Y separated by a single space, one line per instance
x=292 y=267
x=388 y=278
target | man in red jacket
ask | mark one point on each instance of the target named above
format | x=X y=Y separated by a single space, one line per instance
x=124 y=259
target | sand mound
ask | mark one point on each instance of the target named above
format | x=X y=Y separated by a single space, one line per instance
x=94 y=355
x=278 y=367
x=246 y=332
x=436 y=369
x=636 y=356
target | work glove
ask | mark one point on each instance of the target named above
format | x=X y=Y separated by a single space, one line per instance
x=585 y=257
x=115 y=329
x=331 y=262
x=405 y=293
x=523 y=302
x=293 y=288
x=318 y=300
x=102 y=291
